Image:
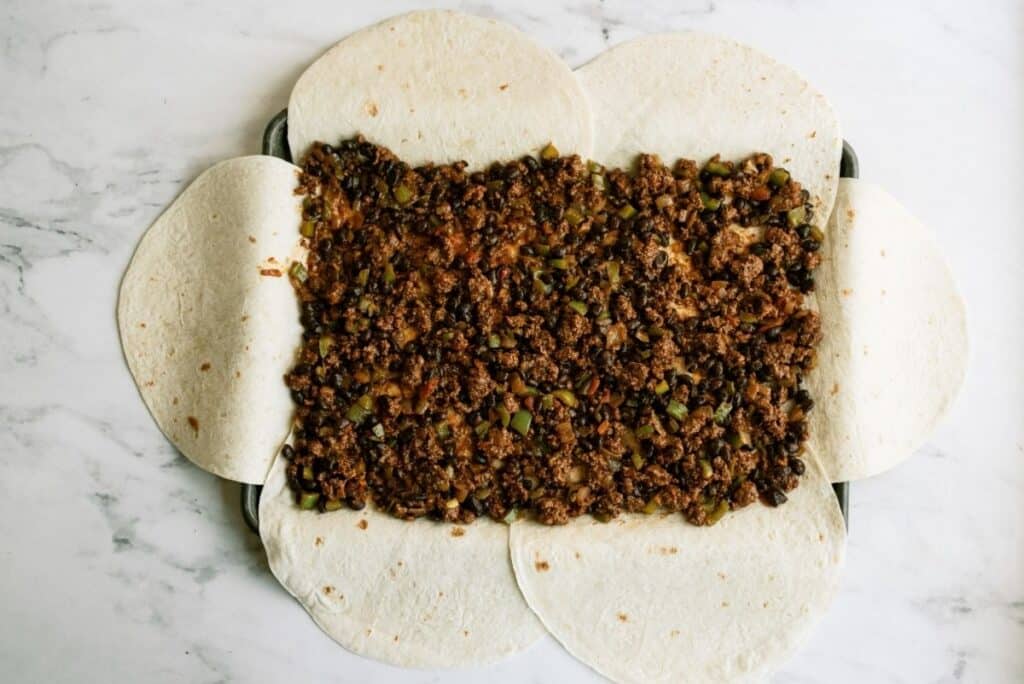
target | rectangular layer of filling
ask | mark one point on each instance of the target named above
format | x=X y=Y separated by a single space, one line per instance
x=551 y=337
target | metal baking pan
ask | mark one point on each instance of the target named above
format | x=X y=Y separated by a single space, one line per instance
x=275 y=144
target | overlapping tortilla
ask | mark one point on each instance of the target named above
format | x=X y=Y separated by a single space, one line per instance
x=438 y=86
x=209 y=320
x=895 y=347
x=654 y=599
x=414 y=594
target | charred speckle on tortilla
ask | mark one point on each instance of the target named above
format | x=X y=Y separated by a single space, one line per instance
x=550 y=335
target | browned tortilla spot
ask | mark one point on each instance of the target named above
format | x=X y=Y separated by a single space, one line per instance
x=362 y=524
x=371 y=108
x=252 y=239
x=458 y=531
x=542 y=566
x=271 y=272
x=319 y=541
x=205 y=366
x=194 y=423
x=623 y=617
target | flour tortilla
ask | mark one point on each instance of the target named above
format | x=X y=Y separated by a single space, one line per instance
x=439 y=86
x=694 y=95
x=412 y=594
x=895 y=348
x=651 y=599
x=207 y=337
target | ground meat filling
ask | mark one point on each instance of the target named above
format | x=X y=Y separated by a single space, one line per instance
x=550 y=336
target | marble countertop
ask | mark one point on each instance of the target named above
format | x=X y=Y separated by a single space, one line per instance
x=121 y=562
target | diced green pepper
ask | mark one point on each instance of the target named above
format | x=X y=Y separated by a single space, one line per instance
x=503 y=415
x=676 y=409
x=717 y=512
x=717 y=168
x=613 y=272
x=710 y=203
x=778 y=177
x=560 y=263
x=298 y=272
x=566 y=397
x=403 y=194
x=796 y=216
x=326 y=344
x=521 y=421
x=361 y=409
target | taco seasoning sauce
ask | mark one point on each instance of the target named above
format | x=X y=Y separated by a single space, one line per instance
x=550 y=336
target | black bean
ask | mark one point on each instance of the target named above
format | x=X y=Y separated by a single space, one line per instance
x=803 y=400
x=776 y=497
